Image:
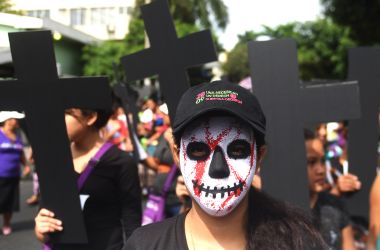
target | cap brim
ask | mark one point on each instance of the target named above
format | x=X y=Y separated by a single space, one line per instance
x=177 y=130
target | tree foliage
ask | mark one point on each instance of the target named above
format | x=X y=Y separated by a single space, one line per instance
x=99 y=58
x=208 y=14
x=6 y=7
x=237 y=66
x=322 y=49
x=362 y=16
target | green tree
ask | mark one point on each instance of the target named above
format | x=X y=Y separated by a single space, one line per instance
x=236 y=65
x=322 y=49
x=6 y=7
x=99 y=58
x=203 y=12
x=363 y=18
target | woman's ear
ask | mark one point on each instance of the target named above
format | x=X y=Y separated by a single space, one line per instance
x=173 y=146
x=260 y=156
x=91 y=119
x=175 y=152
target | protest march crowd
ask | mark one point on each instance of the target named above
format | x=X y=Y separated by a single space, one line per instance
x=186 y=170
x=204 y=168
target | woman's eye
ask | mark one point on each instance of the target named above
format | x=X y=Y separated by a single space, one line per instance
x=238 y=149
x=198 y=151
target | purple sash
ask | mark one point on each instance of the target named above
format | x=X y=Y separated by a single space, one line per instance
x=91 y=164
x=85 y=174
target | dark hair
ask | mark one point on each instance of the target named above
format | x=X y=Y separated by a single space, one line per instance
x=308 y=134
x=116 y=102
x=273 y=224
x=102 y=116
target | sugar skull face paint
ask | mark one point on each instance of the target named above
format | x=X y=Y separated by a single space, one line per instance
x=218 y=162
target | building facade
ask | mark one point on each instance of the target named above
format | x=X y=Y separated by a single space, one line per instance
x=68 y=43
x=103 y=19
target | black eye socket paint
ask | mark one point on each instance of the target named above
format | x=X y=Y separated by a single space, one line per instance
x=198 y=151
x=238 y=149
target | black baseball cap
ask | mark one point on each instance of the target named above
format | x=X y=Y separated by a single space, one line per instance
x=216 y=97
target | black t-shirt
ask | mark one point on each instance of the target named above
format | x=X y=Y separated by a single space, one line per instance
x=275 y=225
x=331 y=217
x=166 y=235
x=113 y=210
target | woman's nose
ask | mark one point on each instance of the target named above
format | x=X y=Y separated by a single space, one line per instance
x=218 y=168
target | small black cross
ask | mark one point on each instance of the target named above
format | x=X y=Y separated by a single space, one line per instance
x=168 y=56
x=123 y=92
x=364 y=66
x=274 y=71
x=44 y=97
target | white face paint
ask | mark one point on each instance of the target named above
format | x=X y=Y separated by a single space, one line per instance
x=218 y=162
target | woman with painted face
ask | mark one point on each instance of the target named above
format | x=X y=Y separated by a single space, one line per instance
x=110 y=193
x=219 y=130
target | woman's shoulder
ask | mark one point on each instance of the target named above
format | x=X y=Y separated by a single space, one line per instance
x=115 y=156
x=167 y=234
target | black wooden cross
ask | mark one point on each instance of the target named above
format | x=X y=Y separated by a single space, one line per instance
x=274 y=71
x=168 y=56
x=44 y=97
x=364 y=66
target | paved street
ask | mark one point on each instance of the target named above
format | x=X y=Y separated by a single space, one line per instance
x=22 y=237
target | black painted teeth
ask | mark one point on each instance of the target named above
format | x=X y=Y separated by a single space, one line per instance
x=214 y=191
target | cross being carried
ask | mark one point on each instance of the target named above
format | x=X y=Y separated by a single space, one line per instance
x=288 y=107
x=44 y=97
x=168 y=56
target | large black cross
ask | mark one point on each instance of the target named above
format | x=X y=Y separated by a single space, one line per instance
x=364 y=66
x=44 y=97
x=274 y=70
x=168 y=56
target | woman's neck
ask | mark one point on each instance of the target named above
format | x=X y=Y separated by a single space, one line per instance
x=208 y=232
x=8 y=131
x=88 y=142
x=313 y=199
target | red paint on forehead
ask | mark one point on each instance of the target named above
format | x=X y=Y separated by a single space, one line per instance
x=212 y=143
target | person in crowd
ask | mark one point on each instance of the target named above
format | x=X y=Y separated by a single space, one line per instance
x=35 y=197
x=116 y=130
x=112 y=210
x=164 y=162
x=219 y=129
x=11 y=158
x=331 y=216
x=334 y=139
x=145 y=130
x=374 y=215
